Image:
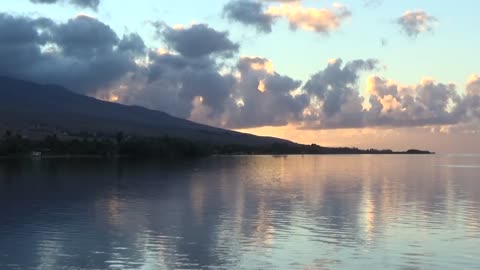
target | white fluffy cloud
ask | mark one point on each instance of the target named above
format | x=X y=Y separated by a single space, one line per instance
x=427 y=103
x=254 y=13
x=321 y=20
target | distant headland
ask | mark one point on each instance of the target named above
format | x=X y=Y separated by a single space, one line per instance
x=46 y=120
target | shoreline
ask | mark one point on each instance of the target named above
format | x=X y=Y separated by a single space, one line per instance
x=214 y=155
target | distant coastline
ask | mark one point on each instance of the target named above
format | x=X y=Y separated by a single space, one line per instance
x=82 y=126
x=120 y=145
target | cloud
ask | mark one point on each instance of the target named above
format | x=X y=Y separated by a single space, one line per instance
x=172 y=82
x=471 y=103
x=252 y=95
x=473 y=85
x=262 y=97
x=93 y=4
x=197 y=41
x=185 y=79
x=88 y=57
x=82 y=54
x=84 y=37
x=336 y=101
x=249 y=13
x=427 y=103
x=198 y=82
x=413 y=23
x=254 y=13
x=311 y=19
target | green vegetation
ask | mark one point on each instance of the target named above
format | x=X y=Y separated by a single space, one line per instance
x=118 y=145
x=295 y=149
x=159 y=147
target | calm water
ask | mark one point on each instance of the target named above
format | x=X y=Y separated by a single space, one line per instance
x=312 y=212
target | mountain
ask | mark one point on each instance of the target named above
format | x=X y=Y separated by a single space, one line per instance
x=25 y=104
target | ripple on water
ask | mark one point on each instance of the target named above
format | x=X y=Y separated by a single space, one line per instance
x=346 y=212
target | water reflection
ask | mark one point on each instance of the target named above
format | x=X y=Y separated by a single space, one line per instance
x=324 y=212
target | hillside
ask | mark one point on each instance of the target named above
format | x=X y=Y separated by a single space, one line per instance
x=24 y=105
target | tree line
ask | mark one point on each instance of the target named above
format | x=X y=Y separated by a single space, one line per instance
x=160 y=147
x=118 y=145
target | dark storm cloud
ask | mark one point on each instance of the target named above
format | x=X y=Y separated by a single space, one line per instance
x=87 y=56
x=132 y=43
x=22 y=31
x=172 y=82
x=263 y=97
x=336 y=88
x=257 y=97
x=81 y=3
x=249 y=13
x=83 y=54
x=197 y=41
x=179 y=78
x=85 y=37
x=412 y=23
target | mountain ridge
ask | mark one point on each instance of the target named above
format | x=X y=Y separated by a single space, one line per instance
x=24 y=104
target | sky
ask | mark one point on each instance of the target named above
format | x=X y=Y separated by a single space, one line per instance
x=364 y=73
